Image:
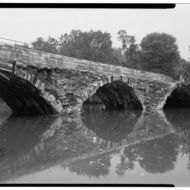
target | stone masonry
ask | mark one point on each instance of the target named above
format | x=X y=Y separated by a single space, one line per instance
x=66 y=82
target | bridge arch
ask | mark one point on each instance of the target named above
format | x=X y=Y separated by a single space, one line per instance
x=101 y=89
x=24 y=95
x=179 y=97
x=167 y=95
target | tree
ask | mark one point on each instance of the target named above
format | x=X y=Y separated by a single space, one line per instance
x=119 y=57
x=92 y=45
x=184 y=69
x=130 y=49
x=49 y=46
x=122 y=36
x=160 y=53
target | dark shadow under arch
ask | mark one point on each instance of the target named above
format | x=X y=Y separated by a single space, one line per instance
x=179 y=98
x=115 y=95
x=22 y=97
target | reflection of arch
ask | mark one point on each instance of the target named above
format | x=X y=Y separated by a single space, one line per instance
x=155 y=145
x=111 y=125
x=110 y=92
x=24 y=96
x=21 y=137
x=37 y=143
x=22 y=133
x=179 y=118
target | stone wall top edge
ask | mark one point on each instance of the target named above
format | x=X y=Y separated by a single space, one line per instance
x=40 y=56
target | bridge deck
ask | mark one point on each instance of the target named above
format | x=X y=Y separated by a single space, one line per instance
x=29 y=57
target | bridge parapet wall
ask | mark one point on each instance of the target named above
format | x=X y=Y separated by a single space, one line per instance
x=29 y=57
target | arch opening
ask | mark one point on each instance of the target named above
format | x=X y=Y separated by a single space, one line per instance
x=116 y=95
x=22 y=97
x=179 y=98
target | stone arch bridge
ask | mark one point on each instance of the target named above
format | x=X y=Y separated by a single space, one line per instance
x=45 y=83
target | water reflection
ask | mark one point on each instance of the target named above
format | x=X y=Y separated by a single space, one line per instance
x=18 y=136
x=178 y=117
x=32 y=144
x=142 y=136
x=181 y=120
x=155 y=156
x=95 y=166
x=127 y=158
x=159 y=156
x=111 y=125
x=100 y=144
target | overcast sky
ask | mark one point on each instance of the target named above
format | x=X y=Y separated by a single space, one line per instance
x=28 y=24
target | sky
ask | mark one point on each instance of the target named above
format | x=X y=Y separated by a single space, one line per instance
x=28 y=24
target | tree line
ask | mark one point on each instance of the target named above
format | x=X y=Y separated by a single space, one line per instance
x=157 y=52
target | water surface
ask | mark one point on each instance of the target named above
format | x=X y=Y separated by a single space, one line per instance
x=99 y=147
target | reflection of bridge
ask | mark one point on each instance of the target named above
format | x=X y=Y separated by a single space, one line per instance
x=49 y=83
x=68 y=141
